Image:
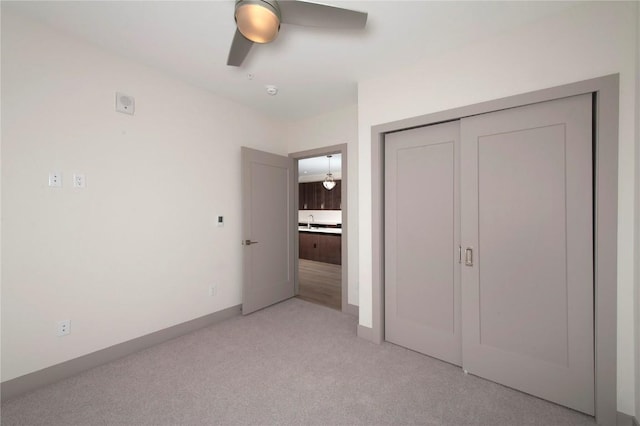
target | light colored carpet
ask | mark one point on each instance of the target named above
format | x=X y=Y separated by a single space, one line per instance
x=294 y=363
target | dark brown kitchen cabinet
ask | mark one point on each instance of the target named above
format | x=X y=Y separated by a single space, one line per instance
x=331 y=200
x=313 y=196
x=317 y=197
x=320 y=247
x=308 y=193
x=301 y=197
x=330 y=248
x=308 y=245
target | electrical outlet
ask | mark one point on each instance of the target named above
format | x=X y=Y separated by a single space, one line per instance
x=212 y=290
x=63 y=327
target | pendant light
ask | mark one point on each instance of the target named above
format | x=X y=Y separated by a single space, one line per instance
x=329 y=183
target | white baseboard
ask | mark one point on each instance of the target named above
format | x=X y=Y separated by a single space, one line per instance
x=352 y=310
x=623 y=419
x=14 y=387
x=365 y=333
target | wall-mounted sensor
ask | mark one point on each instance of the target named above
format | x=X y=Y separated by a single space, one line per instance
x=220 y=221
x=272 y=90
x=125 y=103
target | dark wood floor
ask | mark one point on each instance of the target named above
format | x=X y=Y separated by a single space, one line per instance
x=320 y=283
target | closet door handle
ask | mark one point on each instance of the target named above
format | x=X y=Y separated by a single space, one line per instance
x=468 y=256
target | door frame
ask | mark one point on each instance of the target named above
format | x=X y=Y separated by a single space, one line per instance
x=319 y=152
x=605 y=168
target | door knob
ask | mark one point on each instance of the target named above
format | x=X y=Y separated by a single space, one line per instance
x=249 y=242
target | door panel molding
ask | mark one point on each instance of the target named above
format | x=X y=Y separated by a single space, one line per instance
x=605 y=107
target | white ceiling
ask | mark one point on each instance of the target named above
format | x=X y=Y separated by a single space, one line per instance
x=316 y=70
x=320 y=165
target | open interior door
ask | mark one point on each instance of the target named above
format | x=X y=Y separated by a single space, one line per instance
x=268 y=234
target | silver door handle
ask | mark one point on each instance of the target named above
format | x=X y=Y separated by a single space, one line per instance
x=248 y=242
x=468 y=256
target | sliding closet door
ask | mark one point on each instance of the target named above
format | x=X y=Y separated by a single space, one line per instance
x=422 y=274
x=527 y=295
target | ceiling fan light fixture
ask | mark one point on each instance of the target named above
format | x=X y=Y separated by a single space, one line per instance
x=258 y=20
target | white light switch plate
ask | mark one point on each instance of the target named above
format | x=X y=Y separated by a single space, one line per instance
x=79 y=180
x=55 y=179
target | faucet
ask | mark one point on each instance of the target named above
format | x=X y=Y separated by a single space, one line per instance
x=309 y=220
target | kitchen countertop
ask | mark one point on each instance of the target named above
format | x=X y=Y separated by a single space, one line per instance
x=322 y=230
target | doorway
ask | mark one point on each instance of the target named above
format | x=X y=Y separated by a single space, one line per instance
x=320 y=263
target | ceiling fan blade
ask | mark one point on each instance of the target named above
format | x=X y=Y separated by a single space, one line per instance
x=240 y=47
x=321 y=15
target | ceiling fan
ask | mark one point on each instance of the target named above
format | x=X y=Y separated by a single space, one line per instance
x=258 y=21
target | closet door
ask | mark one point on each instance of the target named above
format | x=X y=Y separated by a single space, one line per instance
x=527 y=298
x=422 y=274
